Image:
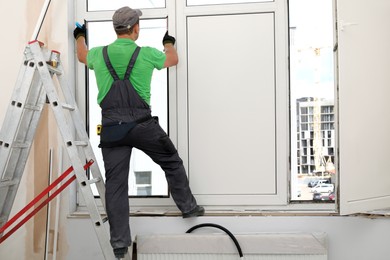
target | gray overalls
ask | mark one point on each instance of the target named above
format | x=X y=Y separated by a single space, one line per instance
x=123 y=104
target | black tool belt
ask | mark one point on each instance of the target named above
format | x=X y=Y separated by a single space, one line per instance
x=113 y=133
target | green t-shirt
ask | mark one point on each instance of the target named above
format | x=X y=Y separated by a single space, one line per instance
x=120 y=52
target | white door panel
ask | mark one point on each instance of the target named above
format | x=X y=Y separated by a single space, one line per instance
x=234 y=105
x=364 y=91
x=231 y=104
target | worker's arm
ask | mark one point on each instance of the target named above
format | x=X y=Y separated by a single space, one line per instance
x=79 y=34
x=82 y=50
x=170 y=51
x=171 y=55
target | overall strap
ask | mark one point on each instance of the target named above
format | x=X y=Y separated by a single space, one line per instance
x=109 y=65
x=129 y=67
x=132 y=62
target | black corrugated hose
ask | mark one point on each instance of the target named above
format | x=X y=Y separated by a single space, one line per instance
x=222 y=228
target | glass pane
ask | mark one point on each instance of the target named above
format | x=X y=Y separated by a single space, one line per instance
x=103 y=5
x=151 y=34
x=143 y=178
x=312 y=99
x=216 y=2
x=143 y=181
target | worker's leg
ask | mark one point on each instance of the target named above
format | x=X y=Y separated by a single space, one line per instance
x=152 y=139
x=116 y=164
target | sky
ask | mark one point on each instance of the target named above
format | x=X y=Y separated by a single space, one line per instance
x=312 y=75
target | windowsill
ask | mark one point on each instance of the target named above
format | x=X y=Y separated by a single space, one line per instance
x=297 y=212
x=300 y=209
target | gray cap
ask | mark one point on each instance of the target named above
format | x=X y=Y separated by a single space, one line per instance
x=125 y=17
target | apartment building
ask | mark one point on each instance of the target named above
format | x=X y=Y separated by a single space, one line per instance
x=315 y=134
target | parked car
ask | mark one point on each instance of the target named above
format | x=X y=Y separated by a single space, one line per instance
x=316 y=182
x=332 y=196
x=320 y=196
x=317 y=196
x=329 y=196
x=323 y=188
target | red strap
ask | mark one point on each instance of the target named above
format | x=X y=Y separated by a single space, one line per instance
x=38 y=198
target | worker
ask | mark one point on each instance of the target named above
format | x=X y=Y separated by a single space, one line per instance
x=124 y=97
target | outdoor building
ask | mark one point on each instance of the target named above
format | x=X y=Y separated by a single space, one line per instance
x=311 y=159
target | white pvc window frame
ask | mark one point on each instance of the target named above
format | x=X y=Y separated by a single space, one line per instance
x=223 y=2
x=176 y=13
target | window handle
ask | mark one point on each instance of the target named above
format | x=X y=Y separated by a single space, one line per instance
x=344 y=24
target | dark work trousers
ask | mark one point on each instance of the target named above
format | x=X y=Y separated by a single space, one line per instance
x=150 y=138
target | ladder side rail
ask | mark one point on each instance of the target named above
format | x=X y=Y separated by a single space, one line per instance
x=102 y=233
x=14 y=112
x=29 y=119
x=17 y=134
x=21 y=88
x=24 y=75
x=82 y=134
x=20 y=161
x=5 y=134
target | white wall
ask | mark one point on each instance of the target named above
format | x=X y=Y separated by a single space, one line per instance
x=15 y=35
x=350 y=238
x=19 y=19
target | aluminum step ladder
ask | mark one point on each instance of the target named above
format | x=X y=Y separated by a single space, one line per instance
x=42 y=80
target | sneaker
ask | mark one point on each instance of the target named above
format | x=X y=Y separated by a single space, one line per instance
x=120 y=252
x=197 y=211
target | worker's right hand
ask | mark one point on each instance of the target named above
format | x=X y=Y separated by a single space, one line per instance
x=78 y=32
x=168 y=39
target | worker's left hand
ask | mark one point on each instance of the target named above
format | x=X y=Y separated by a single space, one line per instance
x=78 y=32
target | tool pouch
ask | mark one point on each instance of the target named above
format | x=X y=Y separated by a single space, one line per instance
x=115 y=132
x=112 y=134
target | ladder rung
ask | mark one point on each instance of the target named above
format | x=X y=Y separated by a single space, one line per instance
x=8 y=183
x=94 y=180
x=81 y=143
x=54 y=70
x=91 y=181
x=20 y=145
x=69 y=107
x=32 y=107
